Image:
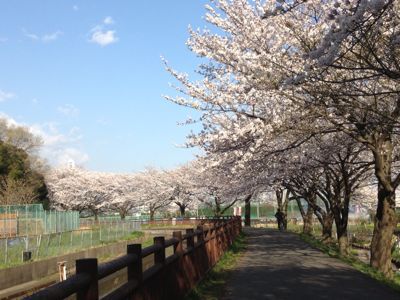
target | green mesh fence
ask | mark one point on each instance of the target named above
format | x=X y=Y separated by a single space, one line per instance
x=32 y=219
x=257 y=211
x=58 y=243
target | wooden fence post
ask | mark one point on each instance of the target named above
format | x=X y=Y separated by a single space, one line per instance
x=178 y=248
x=190 y=240
x=88 y=266
x=200 y=236
x=220 y=233
x=213 y=244
x=231 y=235
x=135 y=269
x=159 y=256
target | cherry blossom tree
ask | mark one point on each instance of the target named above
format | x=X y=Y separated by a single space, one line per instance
x=354 y=71
x=78 y=189
x=154 y=190
x=300 y=69
x=183 y=182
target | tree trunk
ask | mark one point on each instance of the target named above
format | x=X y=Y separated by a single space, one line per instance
x=152 y=214
x=327 y=223
x=284 y=210
x=343 y=240
x=182 y=209
x=305 y=215
x=385 y=219
x=217 y=210
x=247 y=211
x=385 y=223
x=122 y=214
x=308 y=220
x=341 y=221
x=283 y=205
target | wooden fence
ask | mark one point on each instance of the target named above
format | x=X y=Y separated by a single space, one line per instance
x=172 y=277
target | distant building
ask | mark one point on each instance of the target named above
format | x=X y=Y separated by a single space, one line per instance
x=71 y=164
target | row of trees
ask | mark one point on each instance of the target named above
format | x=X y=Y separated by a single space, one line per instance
x=303 y=96
x=94 y=193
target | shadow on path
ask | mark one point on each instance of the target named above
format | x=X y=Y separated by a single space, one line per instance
x=279 y=265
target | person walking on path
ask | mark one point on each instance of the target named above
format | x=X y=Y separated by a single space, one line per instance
x=279 y=219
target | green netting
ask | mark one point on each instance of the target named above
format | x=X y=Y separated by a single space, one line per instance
x=53 y=244
x=257 y=211
x=32 y=219
x=28 y=208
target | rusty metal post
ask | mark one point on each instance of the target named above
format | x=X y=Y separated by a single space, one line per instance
x=190 y=240
x=88 y=266
x=178 y=248
x=159 y=256
x=135 y=270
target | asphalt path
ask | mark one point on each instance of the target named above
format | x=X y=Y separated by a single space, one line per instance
x=279 y=265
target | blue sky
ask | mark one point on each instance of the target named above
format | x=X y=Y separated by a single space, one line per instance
x=87 y=76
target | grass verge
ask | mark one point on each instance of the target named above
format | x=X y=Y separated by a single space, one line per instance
x=213 y=285
x=333 y=251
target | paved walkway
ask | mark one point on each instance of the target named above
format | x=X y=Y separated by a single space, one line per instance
x=279 y=265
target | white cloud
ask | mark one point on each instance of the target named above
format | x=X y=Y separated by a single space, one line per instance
x=58 y=148
x=35 y=101
x=65 y=156
x=75 y=7
x=29 y=35
x=103 y=122
x=5 y=96
x=51 y=36
x=108 y=20
x=104 y=38
x=48 y=37
x=3 y=39
x=52 y=137
x=68 y=110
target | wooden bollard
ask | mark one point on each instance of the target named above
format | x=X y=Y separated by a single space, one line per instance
x=190 y=240
x=88 y=266
x=178 y=248
x=159 y=256
x=200 y=236
x=135 y=270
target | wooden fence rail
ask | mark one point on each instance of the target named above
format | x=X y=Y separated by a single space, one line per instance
x=172 y=277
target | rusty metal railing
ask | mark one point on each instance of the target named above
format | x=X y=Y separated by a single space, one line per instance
x=172 y=277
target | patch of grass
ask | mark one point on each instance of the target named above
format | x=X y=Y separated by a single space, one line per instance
x=333 y=251
x=134 y=235
x=212 y=287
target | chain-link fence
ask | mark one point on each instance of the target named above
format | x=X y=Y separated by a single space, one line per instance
x=32 y=219
x=257 y=210
x=15 y=250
